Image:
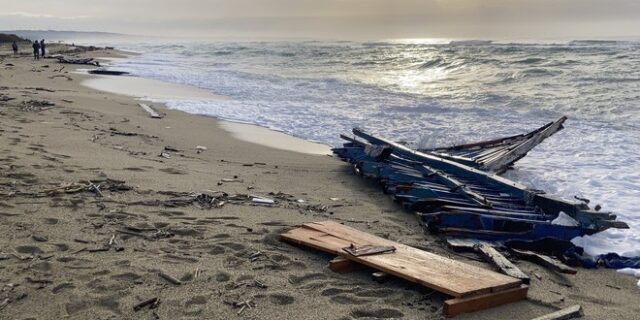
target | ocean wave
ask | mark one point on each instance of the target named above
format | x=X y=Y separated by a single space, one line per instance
x=536 y=72
x=598 y=42
x=530 y=61
x=609 y=79
x=437 y=62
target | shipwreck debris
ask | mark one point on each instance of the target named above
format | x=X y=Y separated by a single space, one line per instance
x=152 y=113
x=546 y=261
x=503 y=264
x=457 y=200
x=572 y=312
x=89 y=61
x=466 y=283
x=108 y=72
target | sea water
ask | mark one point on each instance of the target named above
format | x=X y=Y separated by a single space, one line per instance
x=437 y=94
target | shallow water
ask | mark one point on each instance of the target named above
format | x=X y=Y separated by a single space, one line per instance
x=432 y=94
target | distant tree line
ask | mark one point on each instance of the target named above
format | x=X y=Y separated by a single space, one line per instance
x=11 y=38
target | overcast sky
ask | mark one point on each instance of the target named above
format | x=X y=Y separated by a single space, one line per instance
x=349 y=19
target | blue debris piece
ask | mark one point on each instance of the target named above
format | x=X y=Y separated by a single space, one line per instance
x=500 y=154
x=576 y=256
x=459 y=200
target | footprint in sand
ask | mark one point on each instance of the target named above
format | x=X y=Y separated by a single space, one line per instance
x=215 y=250
x=196 y=300
x=377 y=314
x=347 y=299
x=185 y=231
x=233 y=245
x=42 y=266
x=281 y=299
x=335 y=291
x=127 y=276
x=376 y=293
x=29 y=250
x=306 y=278
x=172 y=171
x=51 y=221
x=221 y=236
x=63 y=286
x=76 y=306
x=223 y=277
x=62 y=246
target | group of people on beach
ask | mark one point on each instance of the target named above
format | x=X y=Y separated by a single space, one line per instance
x=38 y=49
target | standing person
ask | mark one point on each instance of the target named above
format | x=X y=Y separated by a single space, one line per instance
x=36 y=50
x=42 y=48
x=14 y=45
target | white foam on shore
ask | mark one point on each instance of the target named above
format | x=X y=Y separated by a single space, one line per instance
x=273 y=139
x=630 y=271
x=161 y=91
x=148 y=89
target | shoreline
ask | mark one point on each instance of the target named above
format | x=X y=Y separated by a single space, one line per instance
x=155 y=91
x=55 y=230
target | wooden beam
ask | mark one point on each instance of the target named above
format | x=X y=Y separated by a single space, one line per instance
x=152 y=113
x=502 y=263
x=341 y=265
x=564 y=314
x=456 y=306
x=546 y=261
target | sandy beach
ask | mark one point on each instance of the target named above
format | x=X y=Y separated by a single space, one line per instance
x=71 y=250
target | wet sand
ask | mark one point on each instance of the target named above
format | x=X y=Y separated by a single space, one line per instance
x=97 y=200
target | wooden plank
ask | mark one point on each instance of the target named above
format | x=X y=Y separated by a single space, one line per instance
x=430 y=270
x=152 y=113
x=564 y=314
x=456 y=306
x=341 y=265
x=546 y=261
x=498 y=260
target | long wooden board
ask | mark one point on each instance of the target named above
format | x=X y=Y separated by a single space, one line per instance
x=430 y=270
x=457 y=306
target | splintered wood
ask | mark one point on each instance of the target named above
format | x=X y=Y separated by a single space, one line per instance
x=472 y=287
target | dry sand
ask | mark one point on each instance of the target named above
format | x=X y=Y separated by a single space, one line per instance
x=67 y=252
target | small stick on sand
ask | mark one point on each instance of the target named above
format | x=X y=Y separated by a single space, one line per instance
x=153 y=302
x=169 y=278
x=95 y=189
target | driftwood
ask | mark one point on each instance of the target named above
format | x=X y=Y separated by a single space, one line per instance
x=502 y=263
x=88 y=61
x=564 y=314
x=108 y=72
x=152 y=113
x=169 y=278
x=152 y=303
x=546 y=261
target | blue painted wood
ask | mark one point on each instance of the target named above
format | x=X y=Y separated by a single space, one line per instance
x=460 y=200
